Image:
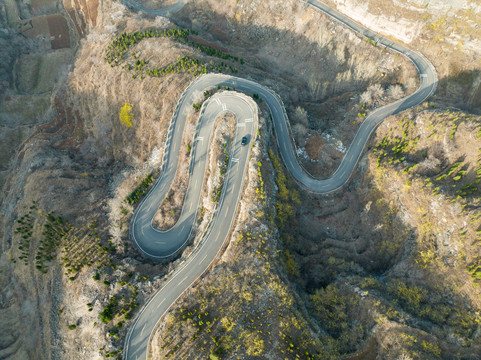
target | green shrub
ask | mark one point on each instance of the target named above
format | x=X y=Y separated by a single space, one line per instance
x=331 y=309
x=288 y=198
x=139 y=192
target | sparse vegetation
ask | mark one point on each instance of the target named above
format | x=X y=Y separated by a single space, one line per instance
x=287 y=196
x=257 y=312
x=260 y=191
x=120 y=305
x=79 y=246
x=330 y=245
x=197 y=106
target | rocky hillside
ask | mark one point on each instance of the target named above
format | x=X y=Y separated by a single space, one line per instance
x=397 y=251
x=445 y=31
x=71 y=186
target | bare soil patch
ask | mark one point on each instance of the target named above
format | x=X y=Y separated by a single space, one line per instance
x=58 y=28
x=204 y=42
x=78 y=21
x=34 y=27
x=90 y=9
x=83 y=14
x=53 y=27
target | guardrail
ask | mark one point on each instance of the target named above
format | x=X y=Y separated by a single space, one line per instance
x=348 y=23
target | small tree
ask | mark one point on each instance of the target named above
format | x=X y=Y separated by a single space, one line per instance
x=300 y=132
x=300 y=116
x=125 y=115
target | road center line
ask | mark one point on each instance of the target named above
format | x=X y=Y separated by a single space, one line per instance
x=139 y=232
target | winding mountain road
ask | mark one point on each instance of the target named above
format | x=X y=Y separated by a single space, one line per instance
x=161 y=244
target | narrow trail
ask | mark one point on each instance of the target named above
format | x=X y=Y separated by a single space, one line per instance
x=161 y=244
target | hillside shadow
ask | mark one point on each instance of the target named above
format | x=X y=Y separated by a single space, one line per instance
x=301 y=70
x=67 y=153
x=357 y=238
x=461 y=90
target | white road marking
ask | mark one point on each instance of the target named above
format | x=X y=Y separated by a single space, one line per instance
x=200 y=138
x=217 y=101
x=249 y=120
x=241 y=125
x=160 y=303
x=236 y=160
x=352 y=158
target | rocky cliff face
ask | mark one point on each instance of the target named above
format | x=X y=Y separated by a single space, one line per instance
x=38 y=43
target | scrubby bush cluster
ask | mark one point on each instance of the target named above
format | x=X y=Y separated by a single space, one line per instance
x=199 y=319
x=427 y=304
x=116 y=52
x=119 y=306
x=125 y=115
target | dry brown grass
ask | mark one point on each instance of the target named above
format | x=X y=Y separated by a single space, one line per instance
x=315 y=64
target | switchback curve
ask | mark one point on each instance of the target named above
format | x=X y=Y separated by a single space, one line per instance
x=163 y=244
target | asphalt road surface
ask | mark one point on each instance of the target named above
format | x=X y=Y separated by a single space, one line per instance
x=161 y=244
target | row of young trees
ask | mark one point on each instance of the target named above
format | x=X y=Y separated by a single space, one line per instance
x=117 y=54
x=140 y=191
x=117 y=50
x=44 y=235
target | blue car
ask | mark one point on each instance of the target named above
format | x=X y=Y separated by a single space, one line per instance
x=244 y=140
